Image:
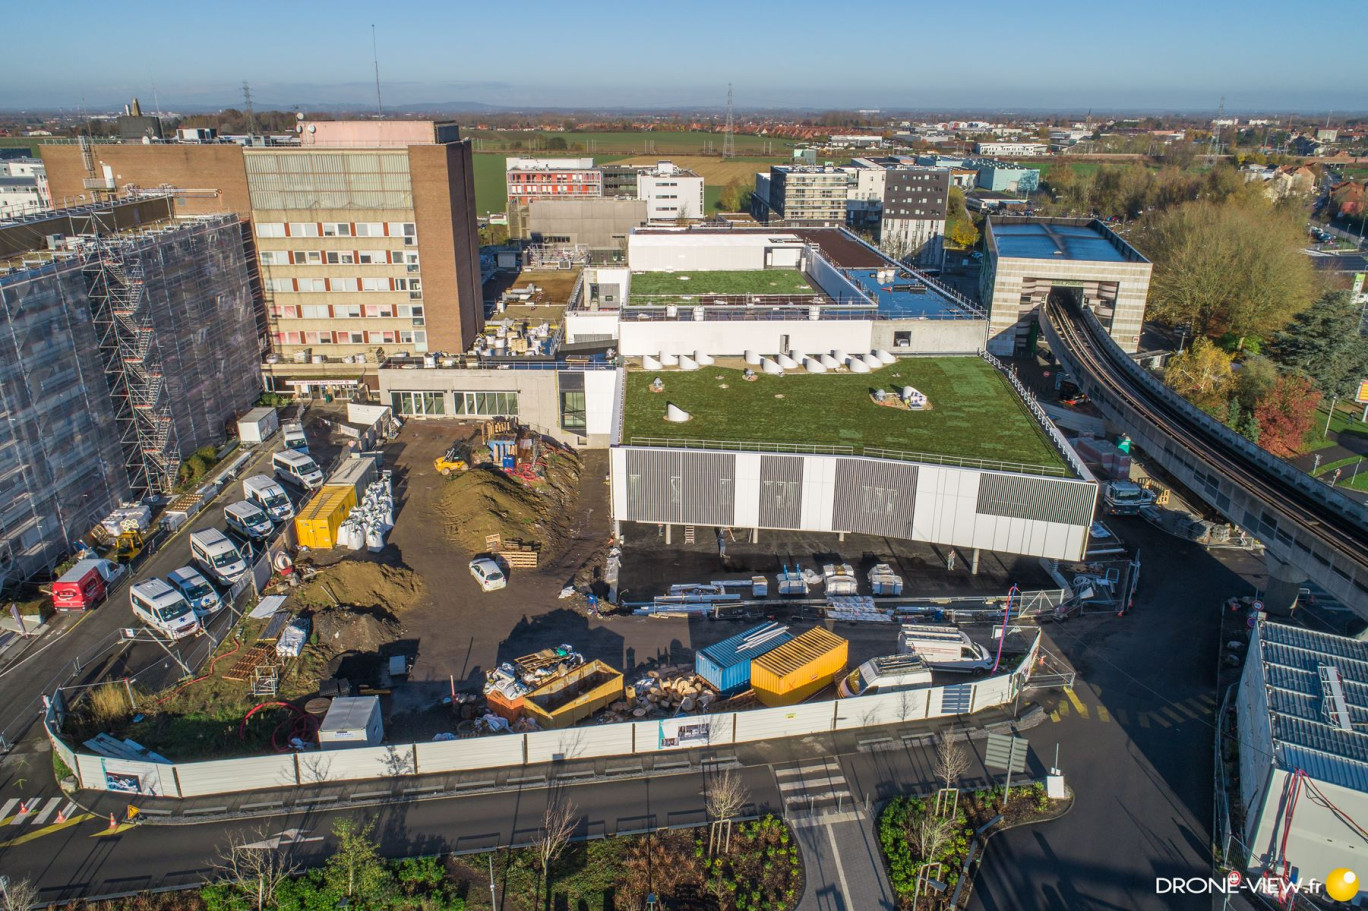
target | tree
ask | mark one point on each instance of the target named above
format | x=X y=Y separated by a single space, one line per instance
x=558 y=825
x=951 y=760
x=930 y=833
x=959 y=227
x=724 y=797
x=1202 y=375
x=1253 y=381
x=1285 y=415
x=1232 y=267
x=735 y=196
x=253 y=868
x=19 y=895
x=1323 y=344
x=356 y=869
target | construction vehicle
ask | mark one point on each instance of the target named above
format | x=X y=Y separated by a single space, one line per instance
x=452 y=461
x=121 y=548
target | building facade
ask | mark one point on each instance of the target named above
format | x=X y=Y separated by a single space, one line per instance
x=801 y=195
x=670 y=193
x=1012 y=149
x=912 y=223
x=620 y=180
x=23 y=187
x=545 y=178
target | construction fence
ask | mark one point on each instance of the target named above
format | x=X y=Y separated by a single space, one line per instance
x=227 y=776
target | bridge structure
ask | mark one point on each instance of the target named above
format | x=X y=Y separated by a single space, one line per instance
x=1310 y=530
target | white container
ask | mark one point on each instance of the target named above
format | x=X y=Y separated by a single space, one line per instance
x=687 y=363
x=884 y=356
x=257 y=426
x=771 y=367
x=858 y=366
x=352 y=721
x=649 y=363
x=669 y=360
x=813 y=366
x=786 y=362
x=704 y=359
x=829 y=362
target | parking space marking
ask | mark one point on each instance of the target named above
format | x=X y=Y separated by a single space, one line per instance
x=1103 y=715
x=1077 y=703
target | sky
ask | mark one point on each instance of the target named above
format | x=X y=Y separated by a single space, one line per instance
x=1135 y=55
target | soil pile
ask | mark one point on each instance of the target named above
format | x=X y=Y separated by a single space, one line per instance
x=355 y=583
x=485 y=501
x=341 y=631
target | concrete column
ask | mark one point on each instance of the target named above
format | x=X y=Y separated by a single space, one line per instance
x=755 y=536
x=1284 y=584
x=667 y=532
x=840 y=536
x=973 y=562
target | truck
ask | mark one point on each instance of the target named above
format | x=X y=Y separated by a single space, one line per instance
x=1126 y=498
x=257 y=426
x=293 y=434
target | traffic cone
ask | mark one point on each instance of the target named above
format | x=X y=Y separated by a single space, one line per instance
x=61 y=815
x=112 y=824
x=24 y=808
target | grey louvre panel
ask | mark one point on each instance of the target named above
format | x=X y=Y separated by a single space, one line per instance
x=1041 y=499
x=956 y=700
x=781 y=491
x=874 y=497
x=692 y=488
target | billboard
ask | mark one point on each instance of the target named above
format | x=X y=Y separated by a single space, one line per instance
x=1362 y=396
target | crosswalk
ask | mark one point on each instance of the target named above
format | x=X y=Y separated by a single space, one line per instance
x=35 y=811
x=1164 y=716
x=813 y=787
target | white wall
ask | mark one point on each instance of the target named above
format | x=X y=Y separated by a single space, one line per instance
x=700 y=252
x=931 y=336
x=600 y=399
x=585 y=325
x=723 y=337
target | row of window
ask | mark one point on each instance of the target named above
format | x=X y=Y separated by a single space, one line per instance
x=338 y=257
x=382 y=283
x=336 y=229
x=351 y=311
x=414 y=337
x=466 y=404
x=553 y=177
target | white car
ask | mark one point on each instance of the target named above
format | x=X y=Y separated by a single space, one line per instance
x=488 y=574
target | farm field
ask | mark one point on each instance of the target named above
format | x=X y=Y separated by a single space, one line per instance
x=630 y=143
x=716 y=172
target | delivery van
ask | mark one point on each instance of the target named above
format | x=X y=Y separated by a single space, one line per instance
x=298 y=469
x=248 y=520
x=85 y=585
x=212 y=552
x=944 y=647
x=293 y=434
x=164 y=609
x=270 y=496
x=197 y=591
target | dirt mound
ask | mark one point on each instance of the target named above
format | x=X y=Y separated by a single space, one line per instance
x=355 y=583
x=343 y=631
x=484 y=501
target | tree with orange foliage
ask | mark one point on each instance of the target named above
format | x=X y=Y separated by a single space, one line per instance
x=1285 y=415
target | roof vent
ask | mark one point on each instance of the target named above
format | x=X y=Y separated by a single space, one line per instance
x=1332 y=692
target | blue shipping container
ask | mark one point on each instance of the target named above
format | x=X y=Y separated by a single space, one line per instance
x=727 y=664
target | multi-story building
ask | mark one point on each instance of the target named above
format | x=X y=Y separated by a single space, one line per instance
x=1027 y=260
x=365 y=235
x=1007 y=178
x=801 y=195
x=128 y=339
x=620 y=180
x=1011 y=149
x=542 y=178
x=23 y=187
x=913 y=219
x=670 y=193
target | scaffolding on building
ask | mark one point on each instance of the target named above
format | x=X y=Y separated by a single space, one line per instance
x=556 y=256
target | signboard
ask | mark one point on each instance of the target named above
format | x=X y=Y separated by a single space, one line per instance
x=681 y=733
x=1005 y=752
x=1362 y=396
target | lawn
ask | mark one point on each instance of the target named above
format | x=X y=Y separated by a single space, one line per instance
x=716 y=171
x=974 y=413
x=743 y=281
x=491 y=190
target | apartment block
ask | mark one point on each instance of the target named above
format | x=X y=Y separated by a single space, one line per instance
x=670 y=193
x=542 y=178
x=1011 y=149
x=800 y=195
x=23 y=187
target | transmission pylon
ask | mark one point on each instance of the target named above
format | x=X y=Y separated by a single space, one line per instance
x=1214 y=148
x=729 y=138
x=247 y=103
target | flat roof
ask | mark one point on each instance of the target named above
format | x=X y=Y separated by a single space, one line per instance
x=908 y=296
x=1044 y=240
x=693 y=283
x=974 y=412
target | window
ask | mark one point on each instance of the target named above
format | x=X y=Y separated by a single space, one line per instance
x=370 y=229
x=343 y=284
x=371 y=257
x=270 y=229
x=313 y=284
x=375 y=284
x=279 y=284
x=308 y=258
x=572 y=410
x=340 y=257
x=303 y=229
x=418 y=402
x=402 y=229
x=275 y=258
x=503 y=404
x=902 y=339
x=288 y=312
x=355 y=338
x=336 y=229
x=350 y=311
x=315 y=311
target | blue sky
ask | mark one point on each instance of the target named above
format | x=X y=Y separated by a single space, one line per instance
x=1114 y=54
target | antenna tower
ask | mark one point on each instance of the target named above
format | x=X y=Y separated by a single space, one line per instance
x=375 y=55
x=729 y=137
x=247 y=102
x=1214 y=147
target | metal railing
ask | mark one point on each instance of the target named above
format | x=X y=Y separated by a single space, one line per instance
x=791 y=313
x=1048 y=426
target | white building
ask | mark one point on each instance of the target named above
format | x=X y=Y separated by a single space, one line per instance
x=671 y=193
x=1011 y=149
x=23 y=187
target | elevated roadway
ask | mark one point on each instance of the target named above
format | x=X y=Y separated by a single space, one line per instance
x=1310 y=530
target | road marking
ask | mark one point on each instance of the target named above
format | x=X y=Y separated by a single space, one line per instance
x=1188 y=710
x=1078 y=705
x=25 y=812
x=1172 y=713
x=1121 y=716
x=47 y=811
x=1054 y=716
x=1161 y=720
x=1144 y=719
x=47 y=830
x=840 y=868
x=1207 y=700
x=9 y=805
x=1102 y=715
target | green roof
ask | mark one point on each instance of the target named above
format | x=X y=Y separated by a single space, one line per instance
x=744 y=281
x=975 y=415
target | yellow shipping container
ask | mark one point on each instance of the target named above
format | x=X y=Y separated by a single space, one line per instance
x=574 y=696
x=799 y=667
x=317 y=525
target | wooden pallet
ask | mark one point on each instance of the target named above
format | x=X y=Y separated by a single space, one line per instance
x=249 y=661
x=519 y=559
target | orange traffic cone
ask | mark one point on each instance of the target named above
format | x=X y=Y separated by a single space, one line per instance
x=61 y=815
x=24 y=808
x=112 y=824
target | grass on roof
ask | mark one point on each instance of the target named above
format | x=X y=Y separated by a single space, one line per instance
x=746 y=281
x=974 y=412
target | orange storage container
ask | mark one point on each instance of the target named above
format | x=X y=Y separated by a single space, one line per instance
x=799 y=668
x=510 y=709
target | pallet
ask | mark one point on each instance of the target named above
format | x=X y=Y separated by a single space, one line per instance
x=519 y=559
x=249 y=661
x=493 y=542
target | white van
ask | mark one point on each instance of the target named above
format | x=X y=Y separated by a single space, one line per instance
x=215 y=554
x=198 y=593
x=270 y=496
x=248 y=520
x=945 y=648
x=886 y=675
x=298 y=469
x=161 y=607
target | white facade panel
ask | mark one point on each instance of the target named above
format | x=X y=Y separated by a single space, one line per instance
x=359 y=762
x=819 y=492
x=474 y=753
x=600 y=400
x=786 y=721
x=590 y=325
x=724 y=337
x=747 y=489
x=579 y=743
x=617 y=461
x=223 y=776
x=883 y=708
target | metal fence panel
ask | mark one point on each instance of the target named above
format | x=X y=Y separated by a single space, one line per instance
x=380 y=762
x=225 y=776
x=882 y=708
x=473 y=753
x=127 y=776
x=580 y=743
x=785 y=721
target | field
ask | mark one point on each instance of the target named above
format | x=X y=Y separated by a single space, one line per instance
x=534 y=143
x=716 y=171
x=974 y=414
x=753 y=281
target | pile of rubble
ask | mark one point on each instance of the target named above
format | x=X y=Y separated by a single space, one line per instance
x=668 y=691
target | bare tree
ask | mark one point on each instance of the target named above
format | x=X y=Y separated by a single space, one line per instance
x=255 y=865
x=929 y=835
x=952 y=761
x=558 y=825
x=724 y=797
x=18 y=895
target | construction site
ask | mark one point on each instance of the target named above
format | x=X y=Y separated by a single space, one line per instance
x=132 y=340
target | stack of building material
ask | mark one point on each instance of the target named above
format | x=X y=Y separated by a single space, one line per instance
x=839 y=579
x=372 y=518
x=507 y=685
x=1104 y=458
x=884 y=581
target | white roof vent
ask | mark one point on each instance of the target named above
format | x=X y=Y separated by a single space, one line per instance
x=676 y=415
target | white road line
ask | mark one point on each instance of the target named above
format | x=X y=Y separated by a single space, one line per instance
x=21 y=818
x=68 y=809
x=47 y=811
x=9 y=806
x=840 y=868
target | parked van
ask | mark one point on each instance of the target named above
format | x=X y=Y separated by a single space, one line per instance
x=161 y=607
x=886 y=675
x=270 y=496
x=248 y=520
x=196 y=590
x=945 y=648
x=85 y=585
x=215 y=554
x=298 y=469
x=293 y=434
